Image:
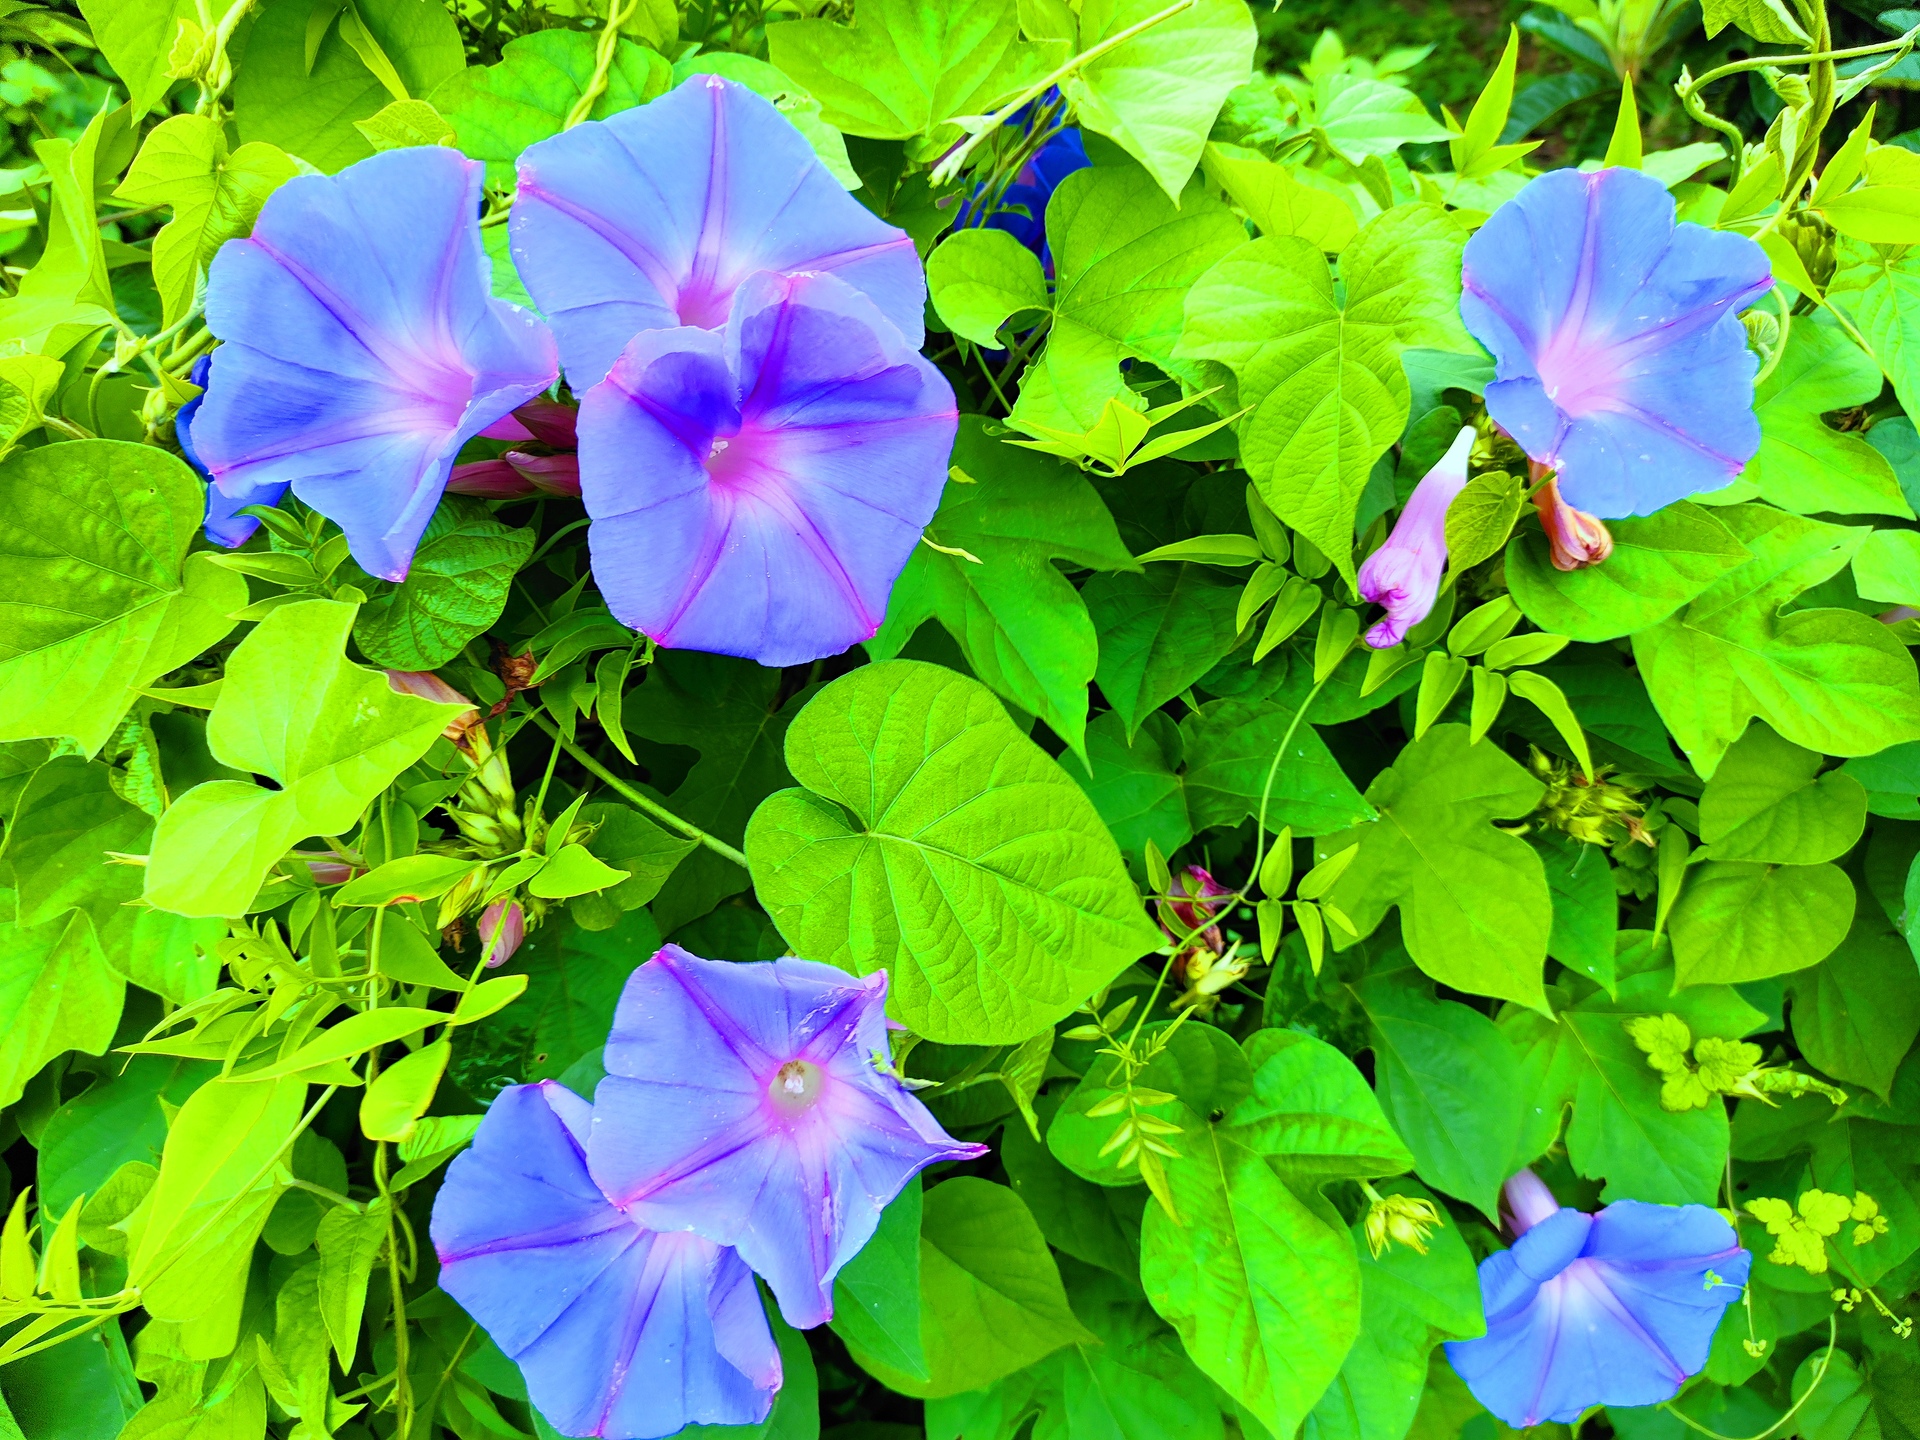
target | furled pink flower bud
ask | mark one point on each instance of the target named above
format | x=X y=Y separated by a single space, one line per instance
x=540 y=419
x=429 y=686
x=1195 y=899
x=1578 y=539
x=518 y=475
x=1404 y=573
x=327 y=867
x=512 y=929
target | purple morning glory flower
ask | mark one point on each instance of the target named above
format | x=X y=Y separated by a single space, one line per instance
x=652 y=219
x=754 y=1104
x=1404 y=573
x=1617 y=1308
x=362 y=348
x=620 y=1332
x=1621 y=361
x=756 y=490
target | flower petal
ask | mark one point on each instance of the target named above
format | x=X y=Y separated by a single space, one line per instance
x=692 y=1130
x=757 y=492
x=363 y=348
x=620 y=1332
x=1625 y=1321
x=652 y=219
x=1622 y=363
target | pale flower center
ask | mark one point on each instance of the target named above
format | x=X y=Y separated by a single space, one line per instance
x=796 y=1085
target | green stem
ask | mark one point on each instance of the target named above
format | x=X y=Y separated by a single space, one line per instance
x=1761 y=62
x=957 y=158
x=1266 y=789
x=652 y=807
x=1820 y=1374
x=602 y=66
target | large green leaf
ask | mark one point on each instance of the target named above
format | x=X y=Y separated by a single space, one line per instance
x=1659 y=563
x=99 y=595
x=1198 y=1064
x=1124 y=257
x=1620 y=1131
x=1409 y=1300
x=935 y=841
x=1878 y=288
x=67 y=818
x=1358 y=116
x=1804 y=464
x=226 y=1162
x=1449 y=1080
x=1158 y=93
x=1161 y=629
x=1741 y=920
x=455 y=588
x=1311 y=1113
x=991 y=1301
x=309 y=110
x=56 y=994
x=1856 y=1013
x=1769 y=802
x=1320 y=364
x=1134 y=1381
x=215 y=196
x=1023 y=629
x=67 y=295
x=1586 y=907
x=499 y=110
x=978 y=279
x=330 y=734
x=731 y=712
x=1474 y=906
x=1263 y=1290
x=627 y=840
x=1835 y=681
x=1099 y=1224
x=876 y=1296
x=905 y=69
x=1137 y=788
x=113 y=1122
x=1231 y=746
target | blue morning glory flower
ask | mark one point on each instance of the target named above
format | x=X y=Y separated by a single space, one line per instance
x=1621 y=362
x=620 y=1331
x=755 y=1104
x=651 y=220
x=361 y=349
x=757 y=491
x=1617 y=1308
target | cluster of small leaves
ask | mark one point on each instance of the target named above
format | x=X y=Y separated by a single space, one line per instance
x=1261 y=959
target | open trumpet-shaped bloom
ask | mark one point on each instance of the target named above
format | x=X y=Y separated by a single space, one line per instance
x=620 y=1332
x=1617 y=1308
x=652 y=220
x=1621 y=361
x=1404 y=573
x=752 y=1105
x=362 y=348
x=756 y=491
